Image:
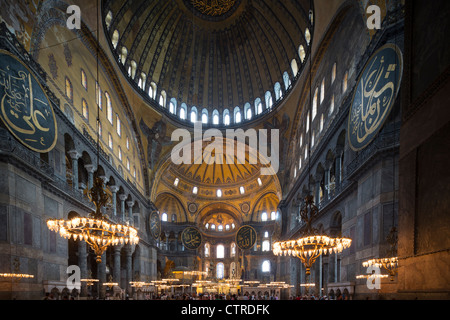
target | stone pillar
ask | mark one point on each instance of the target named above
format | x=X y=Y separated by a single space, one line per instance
x=122 y=198
x=116 y=273
x=90 y=170
x=82 y=263
x=74 y=155
x=101 y=274
x=128 y=265
x=114 y=190
x=167 y=241
x=176 y=241
x=130 y=211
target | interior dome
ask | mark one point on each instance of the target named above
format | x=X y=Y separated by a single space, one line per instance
x=219 y=62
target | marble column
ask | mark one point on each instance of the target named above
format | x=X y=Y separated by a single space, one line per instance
x=74 y=155
x=82 y=263
x=128 y=268
x=122 y=199
x=116 y=273
x=90 y=170
x=130 y=212
x=101 y=275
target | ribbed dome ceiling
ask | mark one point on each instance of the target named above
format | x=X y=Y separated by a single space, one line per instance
x=210 y=54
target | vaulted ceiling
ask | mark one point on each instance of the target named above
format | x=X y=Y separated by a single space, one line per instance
x=210 y=54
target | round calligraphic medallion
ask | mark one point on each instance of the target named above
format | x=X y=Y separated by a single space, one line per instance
x=246 y=237
x=155 y=224
x=378 y=86
x=24 y=106
x=191 y=238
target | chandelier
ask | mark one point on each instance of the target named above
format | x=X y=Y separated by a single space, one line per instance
x=312 y=244
x=96 y=229
x=16 y=275
x=390 y=264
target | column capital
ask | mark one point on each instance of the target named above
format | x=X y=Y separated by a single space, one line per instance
x=114 y=189
x=74 y=154
x=122 y=197
x=130 y=204
x=90 y=168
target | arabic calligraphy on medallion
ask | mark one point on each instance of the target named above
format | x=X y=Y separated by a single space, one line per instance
x=374 y=96
x=24 y=107
x=246 y=237
x=191 y=238
x=155 y=224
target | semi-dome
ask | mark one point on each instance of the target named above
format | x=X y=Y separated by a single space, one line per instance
x=220 y=62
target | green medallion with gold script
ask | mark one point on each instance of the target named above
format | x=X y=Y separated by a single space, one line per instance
x=246 y=237
x=24 y=106
x=155 y=224
x=191 y=238
x=374 y=97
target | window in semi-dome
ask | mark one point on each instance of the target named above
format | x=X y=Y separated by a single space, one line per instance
x=83 y=79
x=85 y=109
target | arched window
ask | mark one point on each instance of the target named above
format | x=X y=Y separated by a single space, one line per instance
x=321 y=123
x=333 y=73
x=141 y=83
x=302 y=53
x=164 y=217
x=344 y=82
x=115 y=39
x=219 y=193
x=69 y=89
x=307 y=122
x=128 y=164
x=332 y=104
x=118 y=126
x=226 y=117
x=183 y=109
x=220 y=227
x=152 y=90
x=109 y=110
x=162 y=99
x=205 y=116
x=220 y=270
x=237 y=115
x=123 y=55
x=247 y=111
x=258 y=106
x=286 y=80
x=264 y=216
x=83 y=79
x=173 y=106
x=273 y=215
x=265 y=267
x=173 y=217
x=241 y=190
x=233 y=270
x=294 y=67
x=207 y=249
x=120 y=153
x=108 y=19
x=98 y=96
x=213 y=226
x=99 y=128
x=269 y=101
x=110 y=141
x=277 y=90
x=85 y=109
x=314 y=106
x=301 y=140
x=233 y=249
x=132 y=69
x=322 y=91
x=215 y=118
x=312 y=140
x=266 y=245
x=193 y=114
x=220 y=251
x=307 y=36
